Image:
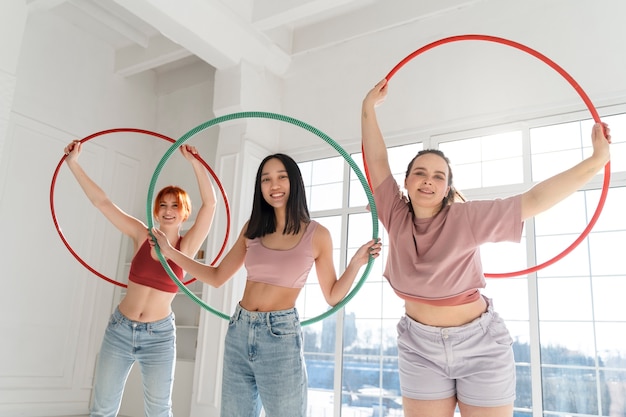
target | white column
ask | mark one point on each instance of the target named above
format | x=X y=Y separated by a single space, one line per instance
x=242 y=144
x=13 y=15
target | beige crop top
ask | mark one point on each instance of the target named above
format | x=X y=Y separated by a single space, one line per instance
x=284 y=268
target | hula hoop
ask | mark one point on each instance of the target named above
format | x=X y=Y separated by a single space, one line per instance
x=146 y=132
x=287 y=119
x=583 y=96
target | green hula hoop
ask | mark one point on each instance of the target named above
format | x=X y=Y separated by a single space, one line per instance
x=274 y=116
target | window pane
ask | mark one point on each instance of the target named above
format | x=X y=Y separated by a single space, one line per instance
x=617 y=124
x=612 y=216
x=567 y=343
x=570 y=215
x=554 y=138
x=566 y=298
x=556 y=148
x=357 y=196
x=607 y=253
x=570 y=390
x=399 y=158
x=323 y=181
x=504 y=257
x=523 y=392
x=326 y=196
x=608 y=294
x=510 y=297
x=486 y=161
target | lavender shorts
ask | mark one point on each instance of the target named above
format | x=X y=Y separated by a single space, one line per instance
x=474 y=361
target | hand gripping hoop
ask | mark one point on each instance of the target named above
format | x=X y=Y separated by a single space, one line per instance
x=292 y=121
x=581 y=93
x=146 y=132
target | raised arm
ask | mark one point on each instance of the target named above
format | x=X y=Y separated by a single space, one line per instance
x=373 y=143
x=335 y=289
x=204 y=217
x=127 y=224
x=551 y=191
x=215 y=276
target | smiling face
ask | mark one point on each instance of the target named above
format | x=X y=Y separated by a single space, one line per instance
x=169 y=211
x=427 y=183
x=173 y=198
x=275 y=183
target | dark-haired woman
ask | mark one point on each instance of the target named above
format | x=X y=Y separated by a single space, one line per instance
x=142 y=328
x=263 y=355
x=453 y=349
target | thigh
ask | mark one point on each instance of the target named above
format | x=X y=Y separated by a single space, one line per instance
x=239 y=390
x=114 y=363
x=488 y=375
x=474 y=411
x=422 y=365
x=280 y=370
x=156 y=355
x=429 y=408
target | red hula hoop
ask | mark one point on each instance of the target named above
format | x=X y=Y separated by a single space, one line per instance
x=154 y=134
x=581 y=93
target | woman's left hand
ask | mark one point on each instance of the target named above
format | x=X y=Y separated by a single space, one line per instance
x=371 y=248
x=189 y=152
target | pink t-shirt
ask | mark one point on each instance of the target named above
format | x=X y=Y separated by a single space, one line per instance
x=284 y=268
x=437 y=260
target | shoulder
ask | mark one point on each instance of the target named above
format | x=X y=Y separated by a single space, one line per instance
x=487 y=204
x=321 y=236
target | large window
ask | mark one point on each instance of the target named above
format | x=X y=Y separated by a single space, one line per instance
x=567 y=319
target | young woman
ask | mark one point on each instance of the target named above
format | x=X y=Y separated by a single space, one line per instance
x=263 y=355
x=453 y=348
x=142 y=328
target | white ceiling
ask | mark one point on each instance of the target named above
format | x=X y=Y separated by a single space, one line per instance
x=164 y=34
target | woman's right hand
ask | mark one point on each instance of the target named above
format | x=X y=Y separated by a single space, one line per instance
x=189 y=152
x=73 y=150
x=157 y=237
x=376 y=95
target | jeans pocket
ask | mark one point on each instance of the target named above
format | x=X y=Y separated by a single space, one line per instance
x=281 y=328
x=499 y=333
x=114 y=321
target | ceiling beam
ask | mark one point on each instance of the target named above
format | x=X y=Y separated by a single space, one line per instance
x=97 y=12
x=43 y=5
x=211 y=31
x=270 y=14
x=134 y=59
x=376 y=17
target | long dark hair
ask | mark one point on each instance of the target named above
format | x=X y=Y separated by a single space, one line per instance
x=263 y=219
x=453 y=194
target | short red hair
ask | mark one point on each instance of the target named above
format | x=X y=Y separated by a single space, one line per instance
x=181 y=196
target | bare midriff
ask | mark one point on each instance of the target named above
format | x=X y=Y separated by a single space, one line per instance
x=146 y=304
x=445 y=316
x=259 y=296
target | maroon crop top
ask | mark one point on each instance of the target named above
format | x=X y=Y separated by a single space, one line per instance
x=284 y=268
x=145 y=270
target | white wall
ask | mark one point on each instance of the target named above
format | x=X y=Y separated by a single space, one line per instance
x=468 y=83
x=53 y=309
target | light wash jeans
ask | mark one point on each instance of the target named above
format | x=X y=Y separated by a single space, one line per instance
x=153 y=346
x=264 y=365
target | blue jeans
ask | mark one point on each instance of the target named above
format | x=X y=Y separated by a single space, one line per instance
x=153 y=346
x=264 y=365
